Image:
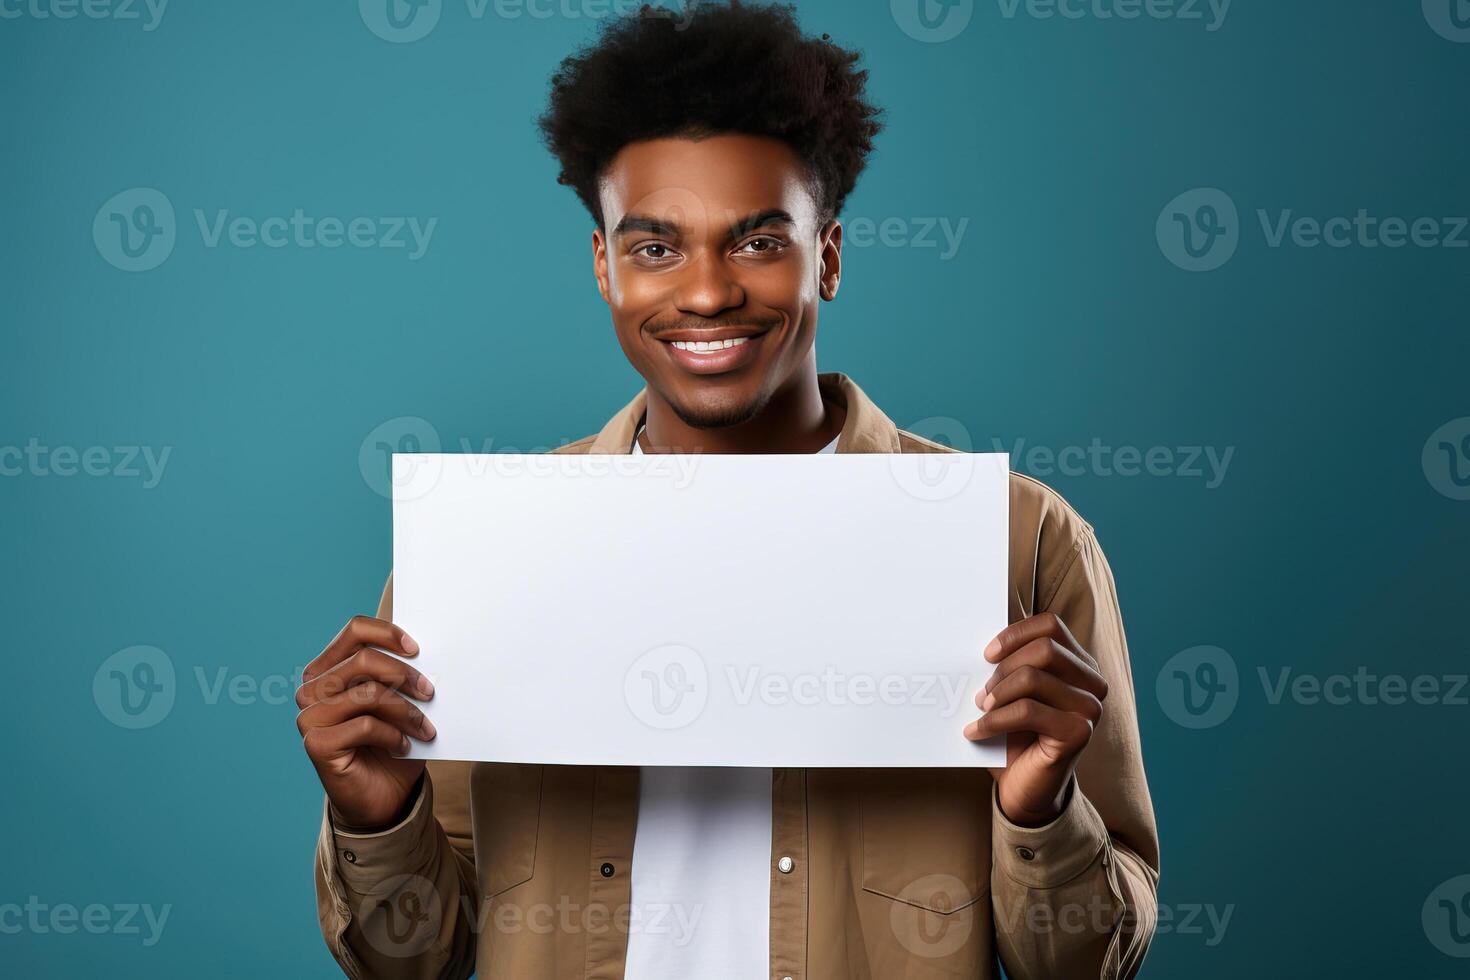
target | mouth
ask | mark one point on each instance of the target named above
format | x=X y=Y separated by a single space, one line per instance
x=714 y=351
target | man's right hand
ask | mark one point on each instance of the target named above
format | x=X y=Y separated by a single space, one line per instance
x=355 y=721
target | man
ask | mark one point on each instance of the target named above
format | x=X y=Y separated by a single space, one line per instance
x=714 y=161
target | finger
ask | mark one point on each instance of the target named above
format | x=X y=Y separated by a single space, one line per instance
x=367 y=698
x=1048 y=688
x=1052 y=657
x=1022 y=632
x=367 y=664
x=361 y=631
x=1030 y=715
x=363 y=732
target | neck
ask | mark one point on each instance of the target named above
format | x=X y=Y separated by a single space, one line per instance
x=796 y=420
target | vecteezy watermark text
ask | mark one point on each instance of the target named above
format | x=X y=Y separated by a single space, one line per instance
x=404 y=914
x=65 y=918
x=1099 y=916
x=124 y=462
x=417 y=442
x=1210 y=13
x=1208 y=463
x=406 y=21
x=307 y=231
x=148 y=12
x=669 y=686
x=137 y=687
x=938 y=233
x=1201 y=686
x=1201 y=229
x=937 y=21
x=839 y=688
x=929 y=935
x=136 y=230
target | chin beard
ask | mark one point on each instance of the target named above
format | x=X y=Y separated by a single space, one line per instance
x=721 y=416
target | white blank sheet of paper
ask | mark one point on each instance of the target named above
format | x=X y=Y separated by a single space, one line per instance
x=772 y=611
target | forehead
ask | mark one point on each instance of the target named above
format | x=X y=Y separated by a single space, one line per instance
x=695 y=182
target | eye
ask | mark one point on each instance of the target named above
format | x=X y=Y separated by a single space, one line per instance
x=654 y=252
x=761 y=245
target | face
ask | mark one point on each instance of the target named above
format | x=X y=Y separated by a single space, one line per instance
x=713 y=265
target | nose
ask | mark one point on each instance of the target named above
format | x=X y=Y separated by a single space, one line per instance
x=706 y=287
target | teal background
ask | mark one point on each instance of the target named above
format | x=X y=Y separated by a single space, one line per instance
x=1325 y=547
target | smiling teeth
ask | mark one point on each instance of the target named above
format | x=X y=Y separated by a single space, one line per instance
x=709 y=346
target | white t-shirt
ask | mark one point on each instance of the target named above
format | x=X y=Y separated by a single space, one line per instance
x=701 y=875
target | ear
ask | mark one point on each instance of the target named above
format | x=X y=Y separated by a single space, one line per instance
x=829 y=242
x=599 y=264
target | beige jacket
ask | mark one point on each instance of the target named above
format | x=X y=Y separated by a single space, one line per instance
x=522 y=871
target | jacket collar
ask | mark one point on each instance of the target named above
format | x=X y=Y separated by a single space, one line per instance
x=866 y=429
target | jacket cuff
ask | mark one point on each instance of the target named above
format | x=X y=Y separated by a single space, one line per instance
x=1052 y=854
x=363 y=861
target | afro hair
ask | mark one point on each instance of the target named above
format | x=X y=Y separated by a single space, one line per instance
x=719 y=68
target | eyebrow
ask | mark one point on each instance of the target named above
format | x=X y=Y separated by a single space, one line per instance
x=759 y=219
x=639 y=222
x=738 y=226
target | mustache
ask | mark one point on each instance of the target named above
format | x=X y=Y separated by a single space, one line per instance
x=707 y=323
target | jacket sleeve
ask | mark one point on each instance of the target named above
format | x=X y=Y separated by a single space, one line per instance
x=401 y=903
x=1079 y=896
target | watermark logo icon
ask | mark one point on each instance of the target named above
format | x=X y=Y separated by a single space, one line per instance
x=1199 y=687
x=414 y=476
x=401 y=917
x=667 y=687
x=1199 y=230
x=1446 y=459
x=932 y=21
x=135 y=229
x=936 y=476
x=933 y=934
x=1450 y=19
x=1446 y=917
x=400 y=21
x=135 y=687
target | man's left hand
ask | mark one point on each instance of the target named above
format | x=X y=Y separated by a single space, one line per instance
x=1046 y=695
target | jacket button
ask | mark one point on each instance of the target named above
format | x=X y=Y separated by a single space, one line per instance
x=785 y=864
x=350 y=857
x=1025 y=853
x=607 y=870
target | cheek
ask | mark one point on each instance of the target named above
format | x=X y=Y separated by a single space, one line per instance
x=638 y=289
x=631 y=296
x=787 y=286
x=614 y=284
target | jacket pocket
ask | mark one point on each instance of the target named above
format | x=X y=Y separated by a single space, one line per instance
x=926 y=836
x=506 y=805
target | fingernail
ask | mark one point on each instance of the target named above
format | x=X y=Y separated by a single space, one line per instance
x=425 y=688
x=988 y=703
x=429 y=730
x=410 y=645
x=992 y=649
